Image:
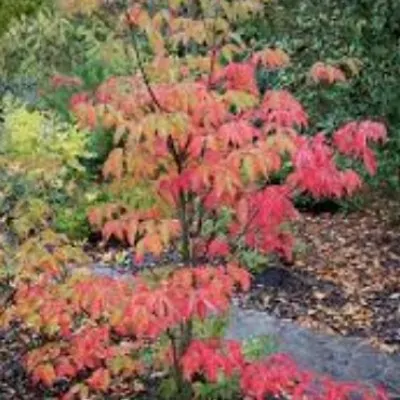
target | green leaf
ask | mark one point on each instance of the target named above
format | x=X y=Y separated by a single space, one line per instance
x=259 y=347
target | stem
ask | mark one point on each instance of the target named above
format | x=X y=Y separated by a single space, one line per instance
x=187 y=334
x=200 y=219
x=183 y=217
x=213 y=50
x=141 y=67
x=182 y=206
x=212 y=66
x=178 y=350
x=235 y=246
x=176 y=369
x=213 y=58
x=138 y=58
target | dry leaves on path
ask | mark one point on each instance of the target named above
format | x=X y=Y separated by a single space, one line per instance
x=345 y=280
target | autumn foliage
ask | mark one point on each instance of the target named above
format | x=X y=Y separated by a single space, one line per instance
x=202 y=136
x=102 y=324
x=98 y=328
x=198 y=132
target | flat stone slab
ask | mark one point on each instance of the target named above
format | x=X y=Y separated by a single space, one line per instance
x=347 y=359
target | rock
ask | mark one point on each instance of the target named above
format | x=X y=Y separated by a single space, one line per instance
x=343 y=358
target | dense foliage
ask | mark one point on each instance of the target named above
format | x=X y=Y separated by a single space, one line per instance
x=10 y=10
x=361 y=36
x=201 y=158
x=49 y=42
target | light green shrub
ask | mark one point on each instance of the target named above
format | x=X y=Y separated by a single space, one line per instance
x=38 y=140
x=40 y=159
x=41 y=44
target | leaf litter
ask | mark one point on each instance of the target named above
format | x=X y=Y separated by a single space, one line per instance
x=346 y=278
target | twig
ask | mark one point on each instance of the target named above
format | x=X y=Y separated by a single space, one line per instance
x=138 y=58
x=244 y=230
x=213 y=50
x=141 y=67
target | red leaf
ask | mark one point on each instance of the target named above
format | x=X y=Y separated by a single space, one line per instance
x=65 y=368
x=240 y=275
x=321 y=72
x=218 y=248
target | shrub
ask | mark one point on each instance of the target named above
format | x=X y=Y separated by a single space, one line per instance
x=106 y=332
x=193 y=127
x=362 y=37
x=213 y=142
x=48 y=42
x=33 y=137
x=39 y=159
x=10 y=10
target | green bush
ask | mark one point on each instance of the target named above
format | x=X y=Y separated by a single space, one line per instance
x=14 y=9
x=38 y=45
x=40 y=159
x=48 y=42
x=39 y=140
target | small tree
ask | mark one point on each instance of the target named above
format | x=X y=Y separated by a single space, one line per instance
x=193 y=126
x=197 y=131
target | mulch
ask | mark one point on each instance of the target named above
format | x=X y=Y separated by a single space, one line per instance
x=14 y=382
x=345 y=278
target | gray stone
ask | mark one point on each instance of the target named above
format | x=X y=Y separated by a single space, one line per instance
x=347 y=359
x=104 y=270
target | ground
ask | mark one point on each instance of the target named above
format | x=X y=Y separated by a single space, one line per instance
x=344 y=280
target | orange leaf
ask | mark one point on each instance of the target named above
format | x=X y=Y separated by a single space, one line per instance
x=240 y=275
x=113 y=167
x=95 y=217
x=45 y=373
x=131 y=228
x=153 y=244
x=100 y=380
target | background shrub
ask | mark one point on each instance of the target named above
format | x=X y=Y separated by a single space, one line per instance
x=14 y=9
x=363 y=38
x=37 y=46
x=39 y=161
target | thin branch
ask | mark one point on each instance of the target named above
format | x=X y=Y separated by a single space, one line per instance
x=175 y=357
x=175 y=154
x=176 y=368
x=141 y=67
x=213 y=50
x=182 y=208
x=244 y=230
